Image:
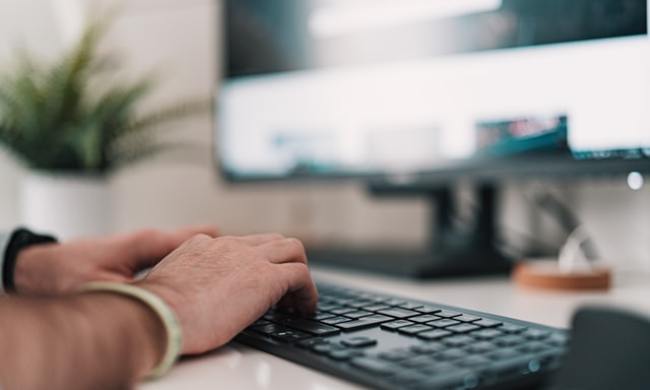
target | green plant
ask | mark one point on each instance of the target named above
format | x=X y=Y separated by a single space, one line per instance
x=74 y=116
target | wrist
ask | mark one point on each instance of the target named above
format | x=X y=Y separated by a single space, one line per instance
x=166 y=318
x=140 y=332
x=29 y=276
x=191 y=316
x=171 y=297
x=148 y=336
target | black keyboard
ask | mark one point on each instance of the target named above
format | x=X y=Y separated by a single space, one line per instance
x=387 y=342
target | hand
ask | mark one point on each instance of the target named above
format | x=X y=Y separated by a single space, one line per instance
x=60 y=268
x=219 y=286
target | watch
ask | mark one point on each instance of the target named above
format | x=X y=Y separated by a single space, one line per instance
x=20 y=239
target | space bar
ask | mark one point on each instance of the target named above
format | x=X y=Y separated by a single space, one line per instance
x=364 y=322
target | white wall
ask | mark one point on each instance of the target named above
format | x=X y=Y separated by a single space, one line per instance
x=31 y=24
x=176 y=37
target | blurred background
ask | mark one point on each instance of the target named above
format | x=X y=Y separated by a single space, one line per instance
x=180 y=40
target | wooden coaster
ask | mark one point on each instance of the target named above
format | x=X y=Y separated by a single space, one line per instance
x=547 y=274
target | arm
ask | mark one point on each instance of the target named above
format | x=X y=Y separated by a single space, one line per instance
x=217 y=287
x=51 y=269
x=77 y=342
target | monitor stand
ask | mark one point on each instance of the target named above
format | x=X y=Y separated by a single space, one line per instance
x=451 y=251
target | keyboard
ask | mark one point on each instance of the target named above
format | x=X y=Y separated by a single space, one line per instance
x=388 y=342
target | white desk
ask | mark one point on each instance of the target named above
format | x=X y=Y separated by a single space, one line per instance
x=239 y=367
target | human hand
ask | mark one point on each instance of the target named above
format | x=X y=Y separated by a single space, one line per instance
x=59 y=268
x=219 y=286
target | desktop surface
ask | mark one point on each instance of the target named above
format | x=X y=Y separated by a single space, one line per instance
x=241 y=367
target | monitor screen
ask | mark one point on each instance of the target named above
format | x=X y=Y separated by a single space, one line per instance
x=364 y=87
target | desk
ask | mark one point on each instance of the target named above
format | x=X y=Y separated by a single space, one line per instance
x=239 y=367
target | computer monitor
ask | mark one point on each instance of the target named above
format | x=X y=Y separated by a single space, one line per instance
x=433 y=88
x=424 y=92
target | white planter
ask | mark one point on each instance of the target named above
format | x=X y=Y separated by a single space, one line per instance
x=66 y=205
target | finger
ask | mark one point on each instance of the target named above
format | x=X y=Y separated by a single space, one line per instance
x=288 y=250
x=301 y=295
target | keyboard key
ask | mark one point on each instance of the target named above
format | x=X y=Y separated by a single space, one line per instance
x=463 y=328
x=516 y=364
x=359 y=342
x=448 y=314
x=428 y=348
x=374 y=366
x=312 y=327
x=358 y=314
x=398 y=313
x=290 y=335
x=533 y=347
x=434 y=334
x=458 y=341
x=410 y=305
x=376 y=307
x=321 y=316
x=312 y=342
x=269 y=328
x=394 y=302
x=558 y=339
x=335 y=320
x=512 y=328
x=396 y=355
x=342 y=310
x=359 y=304
x=509 y=341
x=438 y=368
x=414 y=329
x=467 y=318
x=424 y=318
x=344 y=354
x=473 y=361
x=487 y=323
x=364 y=322
x=393 y=325
x=417 y=362
x=505 y=353
x=344 y=301
x=487 y=334
x=443 y=323
x=325 y=349
x=427 y=309
x=451 y=354
x=536 y=334
x=481 y=347
x=327 y=306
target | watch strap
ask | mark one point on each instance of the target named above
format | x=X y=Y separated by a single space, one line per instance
x=20 y=239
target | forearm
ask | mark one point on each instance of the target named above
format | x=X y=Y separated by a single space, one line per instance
x=78 y=342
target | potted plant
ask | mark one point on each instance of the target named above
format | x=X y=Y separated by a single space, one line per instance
x=73 y=123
